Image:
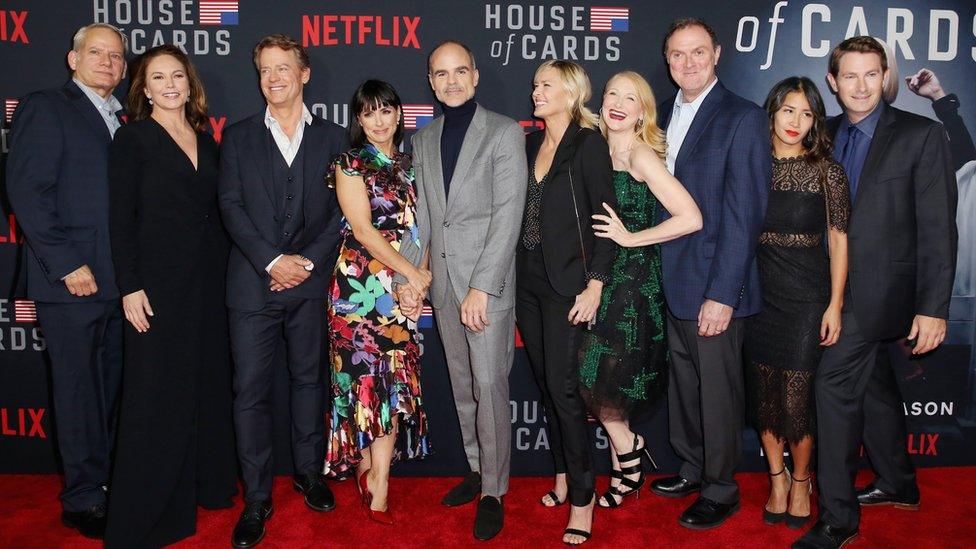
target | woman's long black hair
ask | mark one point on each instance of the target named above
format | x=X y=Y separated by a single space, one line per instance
x=818 y=144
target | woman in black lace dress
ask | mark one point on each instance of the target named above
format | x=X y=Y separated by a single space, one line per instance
x=803 y=276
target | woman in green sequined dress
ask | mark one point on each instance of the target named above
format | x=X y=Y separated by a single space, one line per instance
x=623 y=361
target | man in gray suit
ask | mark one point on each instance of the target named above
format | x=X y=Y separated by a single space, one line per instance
x=471 y=179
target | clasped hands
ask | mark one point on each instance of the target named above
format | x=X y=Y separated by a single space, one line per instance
x=289 y=271
x=410 y=295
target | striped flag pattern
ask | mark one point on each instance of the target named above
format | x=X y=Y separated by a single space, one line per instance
x=426 y=317
x=24 y=311
x=417 y=116
x=8 y=108
x=219 y=12
x=609 y=19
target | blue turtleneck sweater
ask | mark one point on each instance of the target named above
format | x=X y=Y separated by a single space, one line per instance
x=456 y=122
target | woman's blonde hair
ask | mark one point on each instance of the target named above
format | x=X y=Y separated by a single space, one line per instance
x=577 y=86
x=646 y=130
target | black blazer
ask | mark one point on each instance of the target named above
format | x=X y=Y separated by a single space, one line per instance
x=902 y=233
x=249 y=213
x=586 y=152
x=57 y=181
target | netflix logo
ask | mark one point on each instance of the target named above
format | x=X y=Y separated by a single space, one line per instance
x=12 y=26
x=22 y=422
x=398 y=31
x=8 y=231
x=923 y=444
x=217 y=127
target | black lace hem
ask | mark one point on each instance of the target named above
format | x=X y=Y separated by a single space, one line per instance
x=783 y=402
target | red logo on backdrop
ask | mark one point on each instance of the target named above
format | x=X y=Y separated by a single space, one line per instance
x=217 y=125
x=417 y=116
x=9 y=106
x=22 y=422
x=919 y=444
x=12 y=26
x=532 y=125
x=518 y=338
x=11 y=236
x=398 y=31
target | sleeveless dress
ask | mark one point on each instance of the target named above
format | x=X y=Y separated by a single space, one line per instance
x=374 y=348
x=623 y=360
x=782 y=342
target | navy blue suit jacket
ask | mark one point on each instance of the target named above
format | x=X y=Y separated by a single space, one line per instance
x=57 y=181
x=725 y=163
x=248 y=209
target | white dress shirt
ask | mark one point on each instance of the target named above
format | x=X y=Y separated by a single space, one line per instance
x=681 y=118
x=106 y=107
x=289 y=149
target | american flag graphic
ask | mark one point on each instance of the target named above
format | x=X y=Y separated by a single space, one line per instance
x=8 y=109
x=609 y=19
x=426 y=318
x=24 y=311
x=218 y=12
x=417 y=116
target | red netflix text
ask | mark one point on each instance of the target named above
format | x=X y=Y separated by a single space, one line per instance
x=332 y=30
x=22 y=422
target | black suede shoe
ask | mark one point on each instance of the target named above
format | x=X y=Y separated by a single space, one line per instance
x=824 y=536
x=250 y=527
x=89 y=523
x=465 y=491
x=489 y=519
x=870 y=495
x=705 y=514
x=675 y=487
x=318 y=497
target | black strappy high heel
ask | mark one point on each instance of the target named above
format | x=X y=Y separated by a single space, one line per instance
x=795 y=521
x=633 y=486
x=770 y=517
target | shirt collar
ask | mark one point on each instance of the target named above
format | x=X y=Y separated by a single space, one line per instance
x=269 y=120
x=679 y=100
x=869 y=123
x=111 y=105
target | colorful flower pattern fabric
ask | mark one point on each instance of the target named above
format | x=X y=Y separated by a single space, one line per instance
x=374 y=348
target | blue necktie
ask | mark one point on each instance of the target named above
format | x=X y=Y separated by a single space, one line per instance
x=850 y=161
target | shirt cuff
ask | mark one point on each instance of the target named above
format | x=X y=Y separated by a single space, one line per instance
x=273 y=261
x=590 y=275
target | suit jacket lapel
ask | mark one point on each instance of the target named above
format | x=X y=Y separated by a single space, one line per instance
x=433 y=172
x=469 y=148
x=708 y=109
x=260 y=144
x=87 y=110
x=564 y=153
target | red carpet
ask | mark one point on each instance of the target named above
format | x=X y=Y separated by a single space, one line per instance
x=29 y=518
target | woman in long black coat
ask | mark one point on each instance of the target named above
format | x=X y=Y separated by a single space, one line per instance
x=175 y=448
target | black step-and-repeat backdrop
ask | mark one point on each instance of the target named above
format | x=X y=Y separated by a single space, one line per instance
x=762 y=42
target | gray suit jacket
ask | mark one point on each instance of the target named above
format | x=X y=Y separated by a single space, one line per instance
x=472 y=235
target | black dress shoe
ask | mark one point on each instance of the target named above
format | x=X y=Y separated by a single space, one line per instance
x=317 y=494
x=89 y=523
x=465 y=491
x=675 y=487
x=489 y=519
x=705 y=514
x=869 y=495
x=824 y=536
x=250 y=527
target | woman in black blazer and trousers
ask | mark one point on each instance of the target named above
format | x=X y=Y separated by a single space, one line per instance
x=562 y=267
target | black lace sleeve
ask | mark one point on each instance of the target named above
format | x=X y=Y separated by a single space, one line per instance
x=838 y=196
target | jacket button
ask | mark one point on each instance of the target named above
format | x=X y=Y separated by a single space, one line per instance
x=288 y=197
x=442 y=254
x=447 y=224
x=287 y=234
x=206 y=216
x=291 y=178
x=288 y=216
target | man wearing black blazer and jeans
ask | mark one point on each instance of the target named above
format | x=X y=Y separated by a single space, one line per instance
x=902 y=249
x=57 y=180
x=284 y=222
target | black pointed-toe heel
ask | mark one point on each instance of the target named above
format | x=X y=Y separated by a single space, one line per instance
x=795 y=521
x=770 y=517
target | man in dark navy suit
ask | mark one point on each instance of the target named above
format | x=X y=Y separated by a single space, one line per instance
x=719 y=148
x=57 y=180
x=284 y=221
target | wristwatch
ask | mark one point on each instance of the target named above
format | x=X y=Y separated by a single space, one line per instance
x=310 y=265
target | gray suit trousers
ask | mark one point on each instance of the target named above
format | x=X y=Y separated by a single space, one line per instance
x=479 y=364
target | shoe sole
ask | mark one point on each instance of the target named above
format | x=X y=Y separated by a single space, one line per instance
x=309 y=505
x=903 y=506
x=848 y=541
x=459 y=503
x=673 y=495
x=257 y=541
x=734 y=510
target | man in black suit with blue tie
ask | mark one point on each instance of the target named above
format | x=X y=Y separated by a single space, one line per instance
x=284 y=222
x=57 y=180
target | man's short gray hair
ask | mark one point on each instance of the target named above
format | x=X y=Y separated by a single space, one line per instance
x=78 y=41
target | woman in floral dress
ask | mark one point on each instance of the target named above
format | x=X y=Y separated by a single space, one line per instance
x=377 y=411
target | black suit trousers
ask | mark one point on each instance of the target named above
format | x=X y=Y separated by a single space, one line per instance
x=885 y=431
x=84 y=343
x=255 y=339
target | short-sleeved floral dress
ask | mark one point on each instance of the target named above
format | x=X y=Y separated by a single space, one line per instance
x=374 y=348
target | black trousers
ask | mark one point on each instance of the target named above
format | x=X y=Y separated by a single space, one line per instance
x=84 y=341
x=706 y=404
x=851 y=382
x=552 y=345
x=255 y=336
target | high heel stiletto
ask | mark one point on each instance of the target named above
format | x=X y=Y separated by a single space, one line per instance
x=609 y=498
x=770 y=517
x=382 y=517
x=796 y=522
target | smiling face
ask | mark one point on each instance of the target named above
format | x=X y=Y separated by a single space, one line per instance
x=100 y=62
x=167 y=83
x=621 y=105
x=859 y=83
x=452 y=76
x=380 y=125
x=692 y=58
x=549 y=94
x=282 y=77
x=792 y=122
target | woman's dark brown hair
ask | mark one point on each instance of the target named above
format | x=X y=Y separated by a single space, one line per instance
x=818 y=145
x=372 y=95
x=138 y=104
